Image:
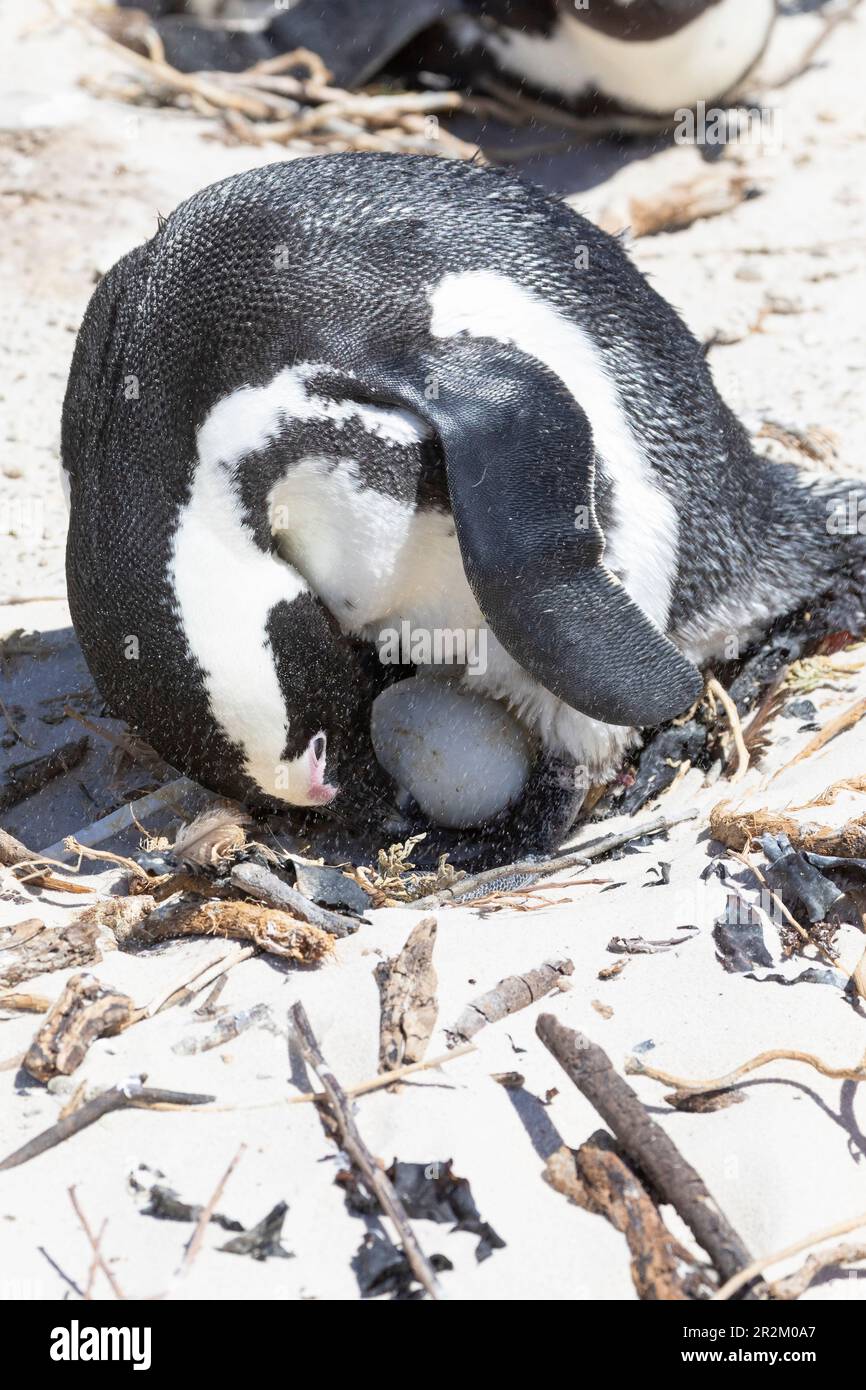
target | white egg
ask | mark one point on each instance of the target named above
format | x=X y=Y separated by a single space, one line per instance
x=463 y=757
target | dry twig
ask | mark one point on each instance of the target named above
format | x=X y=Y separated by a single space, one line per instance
x=375 y=1179
x=95 y=1241
x=720 y=693
x=635 y=1067
x=534 y=869
x=128 y=1095
x=755 y=1267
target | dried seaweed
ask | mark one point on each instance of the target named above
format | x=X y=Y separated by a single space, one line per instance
x=431 y=1191
x=331 y=887
x=395 y=879
x=262 y=1241
x=381 y=1268
x=799 y=882
x=155 y=1198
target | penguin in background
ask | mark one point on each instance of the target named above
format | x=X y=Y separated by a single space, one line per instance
x=648 y=57
x=339 y=393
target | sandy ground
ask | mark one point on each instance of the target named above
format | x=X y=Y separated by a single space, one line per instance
x=780 y=279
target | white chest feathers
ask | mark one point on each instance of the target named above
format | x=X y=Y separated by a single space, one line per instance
x=702 y=60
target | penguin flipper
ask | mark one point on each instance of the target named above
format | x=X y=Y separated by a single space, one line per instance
x=519 y=458
x=354 y=38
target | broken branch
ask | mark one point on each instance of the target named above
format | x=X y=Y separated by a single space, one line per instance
x=375 y=1179
x=407 y=989
x=646 y=1143
x=513 y=993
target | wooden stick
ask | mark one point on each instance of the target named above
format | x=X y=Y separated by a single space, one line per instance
x=27 y=778
x=12 y=851
x=363 y=1088
x=201 y=977
x=635 y=1067
x=204 y=1217
x=170 y=796
x=743 y=1276
x=542 y=868
x=266 y=887
x=374 y=1177
x=408 y=1006
x=131 y=1094
x=646 y=1143
x=98 y=1257
x=598 y=1178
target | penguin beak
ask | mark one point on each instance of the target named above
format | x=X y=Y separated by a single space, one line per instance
x=321 y=792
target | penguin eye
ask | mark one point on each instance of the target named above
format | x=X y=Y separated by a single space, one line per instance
x=318 y=745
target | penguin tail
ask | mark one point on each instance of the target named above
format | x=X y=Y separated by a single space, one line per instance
x=838 y=525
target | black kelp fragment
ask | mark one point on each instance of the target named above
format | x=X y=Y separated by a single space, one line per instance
x=797 y=881
x=381 y=1268
x=430 y=1191
x=331 y=887
x=660 y=763
x=262 y=1242
x=163 y=1202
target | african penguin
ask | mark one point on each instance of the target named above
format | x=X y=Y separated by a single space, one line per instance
x=645 y=56
x=344 y=393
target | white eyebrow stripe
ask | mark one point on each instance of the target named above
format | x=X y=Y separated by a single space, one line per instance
x=249 y=418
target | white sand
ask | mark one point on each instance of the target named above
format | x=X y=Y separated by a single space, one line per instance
x=787 y=1161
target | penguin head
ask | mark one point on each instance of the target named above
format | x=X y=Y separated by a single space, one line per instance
x=289 y=711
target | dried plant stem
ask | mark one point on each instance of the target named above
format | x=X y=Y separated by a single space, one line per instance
x=797 y=1284
x=199 y=979
x=542 y=868
x=376 y=1083
x=635 y=1067
x=205 y=1215
x=756 y=1267
x=98 y=1257
x=716 y=689
x=846 y=720
x=84 y=852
